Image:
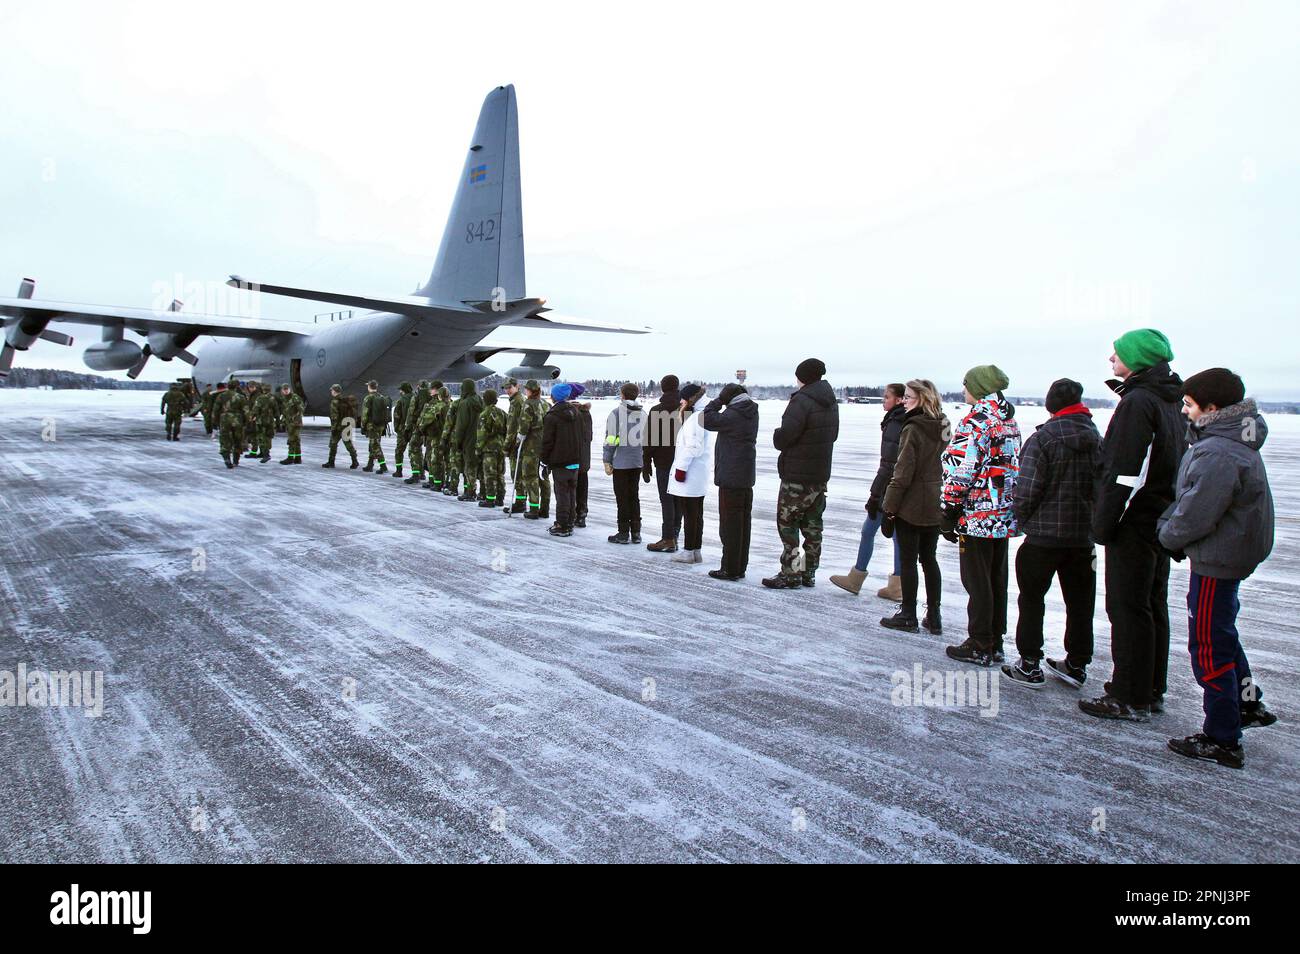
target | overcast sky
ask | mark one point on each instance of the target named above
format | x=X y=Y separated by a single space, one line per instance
x=901 y=192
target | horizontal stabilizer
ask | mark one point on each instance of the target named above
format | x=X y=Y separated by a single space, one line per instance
x=555 y=321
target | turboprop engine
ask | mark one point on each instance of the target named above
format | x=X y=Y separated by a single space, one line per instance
x=545 y=372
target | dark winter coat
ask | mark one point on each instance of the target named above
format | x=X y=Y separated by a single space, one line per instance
x=468 y=410
x=1056 y=489
x=736 y=425
x=917 y=475
x=891 y=429
x=806 y=437
x=660 y=438
x=562 y=436
x=1222 y=517
x=584 y=420
x=1144 y=443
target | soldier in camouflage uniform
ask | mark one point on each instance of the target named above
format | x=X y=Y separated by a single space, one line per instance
x=531 y=482
x=465 y=436
x=400 y=410
x=374 y=421
x=173 y=405
x=278 y=397
x=206 y=405
x=264 y=427
x=490 y=445
x=450 y=456
x=513 y=414
x=292 y=410
x=430 y=427
x=340 y=427
x=231 y=422
x=409 y=431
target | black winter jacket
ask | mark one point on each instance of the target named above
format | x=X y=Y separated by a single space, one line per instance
x=806 y=437
x=1146 y=436
x=562 y=436
x=584 y=412
x=891 y=429
x=661 y=437
x=1056 y=489
x=735 y=448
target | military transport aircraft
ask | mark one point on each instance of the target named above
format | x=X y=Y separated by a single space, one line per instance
x=477 y=286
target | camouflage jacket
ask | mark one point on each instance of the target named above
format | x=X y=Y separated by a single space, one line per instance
x=372 y=412
x=401 y=408
x=449 y=425
x=236 y=407
x=512 y=419
x=530 y=423
x=264 y=409
x=292 y=410
x=336 y=412
x=492 y=425
x=173 y=402
x=432 y=420
x=413 y=419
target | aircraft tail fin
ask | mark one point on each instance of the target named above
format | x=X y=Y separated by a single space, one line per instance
x=481 y=257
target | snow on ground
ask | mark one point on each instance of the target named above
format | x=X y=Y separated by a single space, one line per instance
x=312 y=665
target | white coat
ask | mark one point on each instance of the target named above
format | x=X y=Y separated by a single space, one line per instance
x=693 y=455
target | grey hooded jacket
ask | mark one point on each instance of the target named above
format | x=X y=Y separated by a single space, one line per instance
x=624 y=437
x=1222 y=514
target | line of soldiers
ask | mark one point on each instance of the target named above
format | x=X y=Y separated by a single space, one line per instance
x=246 y=416
x=460 y=447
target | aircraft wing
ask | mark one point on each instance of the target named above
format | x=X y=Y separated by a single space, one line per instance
x=540 y=353
x=550 y=319
x=145 y=320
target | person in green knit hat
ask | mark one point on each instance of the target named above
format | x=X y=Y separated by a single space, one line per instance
x=1141 y=452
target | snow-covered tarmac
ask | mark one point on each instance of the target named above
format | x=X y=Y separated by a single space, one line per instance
x=312 y=665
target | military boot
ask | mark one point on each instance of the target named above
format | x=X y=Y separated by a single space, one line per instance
x=226 y=458
x=383 y=466
x=288 y=460
x=328 y=463
x=398 y=471
x=413 y=479
x=520 y=505
x=355 y=463
x=370 y=466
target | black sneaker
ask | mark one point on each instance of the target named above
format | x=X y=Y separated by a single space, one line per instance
x=997 y=655
x=1025 y=673
x=783 y=582
x=1201 y=746
x=1108 y=707
x=556 y=530
x=1074 y=676
x=579 y=522
x=636 y=534
x=1256 y=717
x=1157 y=705
x=970 y=652
x=903 y=621
x=621 y=537
x=933 y=622
x=724 y=575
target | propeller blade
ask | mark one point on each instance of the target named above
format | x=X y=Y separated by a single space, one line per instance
x=139 y=365
x=6 y=360
x=57 y=337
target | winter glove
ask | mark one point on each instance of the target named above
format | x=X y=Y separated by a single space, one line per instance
x=887 y=526
x=1178 y=556
x=951 y=536
x=609 y=470
x=873 y=507
x=729 y=392
x=680 y=475
x=948 y=520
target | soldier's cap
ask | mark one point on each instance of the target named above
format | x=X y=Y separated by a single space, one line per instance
x=489 y=397
x=511 y=383
x=405 y=387
x=372 y=383
x=336 y=387
x=532 y=385
x=444 y=393
x=435 y=385
x=284 y=386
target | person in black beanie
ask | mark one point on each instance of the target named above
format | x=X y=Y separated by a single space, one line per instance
x=662 y=422
x=806 y=440
x=1060 y=464
x=733 y=415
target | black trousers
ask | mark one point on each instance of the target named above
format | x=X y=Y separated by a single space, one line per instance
x=1137 y=602
x=566 y=493
x=580 y=502
x=735 y=506
x=1076 y=569
x=668 y=503
x=984 y=574
x=627 y=495
x=918 y=544
x=692 y=509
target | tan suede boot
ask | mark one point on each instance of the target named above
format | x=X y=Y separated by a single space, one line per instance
x=893 y=590
x=853 y=582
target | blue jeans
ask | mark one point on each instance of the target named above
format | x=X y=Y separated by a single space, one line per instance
x=869 y=530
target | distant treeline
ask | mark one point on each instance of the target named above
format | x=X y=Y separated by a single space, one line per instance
x=74 y=380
